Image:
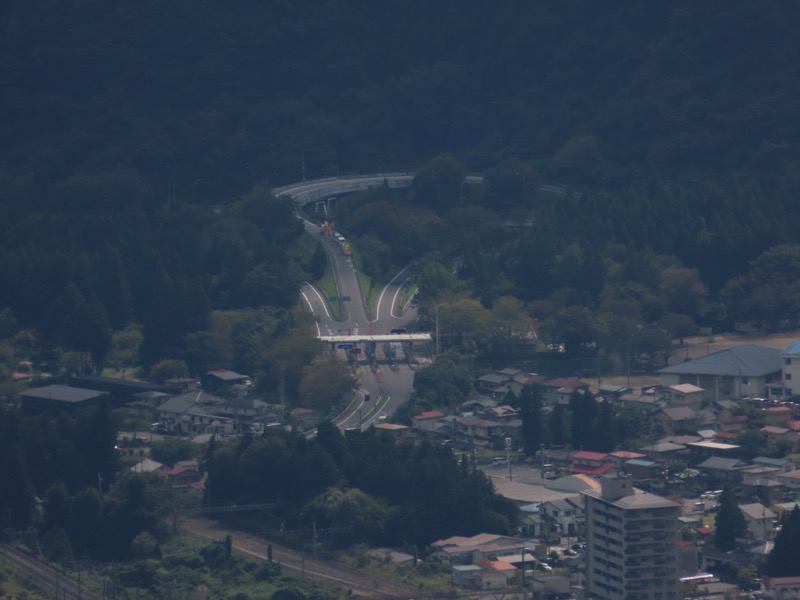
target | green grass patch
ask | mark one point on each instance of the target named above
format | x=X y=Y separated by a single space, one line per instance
x=306 y=244
x=408 y=293
x=20 y=586
x=327 y=287
x=368 y=291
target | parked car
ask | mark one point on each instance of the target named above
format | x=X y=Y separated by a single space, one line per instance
x=579 y=547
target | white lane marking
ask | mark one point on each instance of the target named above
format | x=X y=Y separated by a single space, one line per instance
x=321 y=299
x=380 y=297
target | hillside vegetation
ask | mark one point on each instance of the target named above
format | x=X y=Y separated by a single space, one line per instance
x=142 y=140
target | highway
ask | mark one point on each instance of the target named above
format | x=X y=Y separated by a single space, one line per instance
x=387 y=386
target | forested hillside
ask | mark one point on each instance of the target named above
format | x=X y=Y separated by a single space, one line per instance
x=124 y=123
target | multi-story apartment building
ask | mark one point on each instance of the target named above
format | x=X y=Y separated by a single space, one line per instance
x=632 y=543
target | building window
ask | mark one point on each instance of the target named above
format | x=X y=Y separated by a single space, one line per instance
x=745 y=380
x=788 y=376
x=787 y=361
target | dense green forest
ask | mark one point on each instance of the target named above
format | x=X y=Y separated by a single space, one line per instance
x=641 y=167
x=71 y=484
x=142 y=140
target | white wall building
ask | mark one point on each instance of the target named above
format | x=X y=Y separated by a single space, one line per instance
x=632 y=543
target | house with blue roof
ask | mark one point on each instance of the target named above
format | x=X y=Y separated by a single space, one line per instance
x=740 y=372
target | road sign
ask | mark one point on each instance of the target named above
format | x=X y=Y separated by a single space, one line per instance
x=345 y=346
x=333 y=298
x=345 y=298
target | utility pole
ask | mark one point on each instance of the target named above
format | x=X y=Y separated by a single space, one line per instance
x=438 y=344
x=508 y=458
x=315 y=540
x=283 y=401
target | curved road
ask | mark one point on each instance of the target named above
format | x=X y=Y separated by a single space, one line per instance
x=387 y=387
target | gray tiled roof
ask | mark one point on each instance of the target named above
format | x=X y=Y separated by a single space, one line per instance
x=741 y=361
x=62 y=393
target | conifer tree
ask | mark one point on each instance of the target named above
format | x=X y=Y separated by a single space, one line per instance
x=784 y=560
x=730 y=523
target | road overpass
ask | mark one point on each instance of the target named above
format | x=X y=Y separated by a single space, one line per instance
x=363 y=338
x=309 y=191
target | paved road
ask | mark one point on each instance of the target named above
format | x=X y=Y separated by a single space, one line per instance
x=387 y=387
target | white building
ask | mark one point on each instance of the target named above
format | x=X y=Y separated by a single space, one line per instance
x=632 y=543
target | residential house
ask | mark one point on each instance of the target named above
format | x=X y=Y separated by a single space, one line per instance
x=395 y=430
x=480 y=430
x=790 y=479
x=765 y=490
x=783 y=509
x=676 y=420
x=619 y=457
x=732 y=424
x=682 y=394
x=466 y=576
x=752 y=473
x=722 y=470
x=781 y=436
x=496 y=574
x=777 y=415
x=227 y=378
x=566 y=514
x=426 y=421
x=590 y=463
x=145 y=404
x=665 y=452
x=640 y=469
x=784 y=465
x=612 y=392
x=739 y=372
x=501 y=414
x=246 y=411
x=469 y=550
x=559 y=391
x=184 y=478
x=493 y=384
x=191 y=413
x=759 y=521
x=513 y=431
x=703 y=449
x=781 y=588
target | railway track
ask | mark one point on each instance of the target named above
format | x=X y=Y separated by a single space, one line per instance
x=301 y=565
x=48 y=578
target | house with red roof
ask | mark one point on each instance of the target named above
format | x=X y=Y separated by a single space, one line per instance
x=619 y=457
x=589 y=463
x=777 y=434
x=733 y=424
x=780 y=588
x=496 y=574
x=426 y=421
x=776 y=415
